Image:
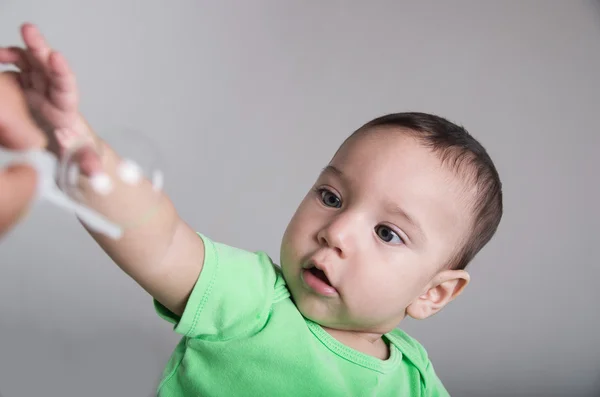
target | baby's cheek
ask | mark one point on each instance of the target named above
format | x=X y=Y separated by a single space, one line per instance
x=297 y=234
x=380 y=287
x=289 y=254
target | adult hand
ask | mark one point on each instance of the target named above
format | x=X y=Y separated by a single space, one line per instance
x=18 y=131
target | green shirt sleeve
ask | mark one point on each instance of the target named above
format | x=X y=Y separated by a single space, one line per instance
x=433 y=384
x=232 y=297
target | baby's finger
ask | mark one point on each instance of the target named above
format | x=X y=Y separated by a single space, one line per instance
x=63 y=83
x=37 y=55
x=36 y=44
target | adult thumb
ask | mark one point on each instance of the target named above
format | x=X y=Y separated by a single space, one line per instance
x=17 y=190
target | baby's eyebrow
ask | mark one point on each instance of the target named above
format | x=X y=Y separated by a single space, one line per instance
x=334 y=170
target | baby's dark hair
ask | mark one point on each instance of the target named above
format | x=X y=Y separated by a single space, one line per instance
x=458 y=149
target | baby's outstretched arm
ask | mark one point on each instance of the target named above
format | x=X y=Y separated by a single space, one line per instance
x=163 y=254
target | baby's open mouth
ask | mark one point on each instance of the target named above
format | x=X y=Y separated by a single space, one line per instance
x=320 y=274
x=317 y=280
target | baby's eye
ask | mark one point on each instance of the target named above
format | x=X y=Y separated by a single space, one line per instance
x=388 y=235
x=330 y=199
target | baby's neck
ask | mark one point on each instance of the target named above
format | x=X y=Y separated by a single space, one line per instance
x=364 y=342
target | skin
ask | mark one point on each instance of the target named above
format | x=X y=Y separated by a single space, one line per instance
x=163 y=255
x=378 y=177
x=17 y=132
x=383 y=266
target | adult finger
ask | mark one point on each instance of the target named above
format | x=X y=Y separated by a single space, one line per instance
x=12 y=55
x=17 y=189
x=17 y=56
x=18 y=129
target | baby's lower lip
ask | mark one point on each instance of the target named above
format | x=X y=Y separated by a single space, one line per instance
x=317 y=285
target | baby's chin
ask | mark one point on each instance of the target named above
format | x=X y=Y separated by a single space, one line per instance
x=322 y=313
x=324 y=320
x=340 y=319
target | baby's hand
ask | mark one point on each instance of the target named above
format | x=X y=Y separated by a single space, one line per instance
x=52 y=94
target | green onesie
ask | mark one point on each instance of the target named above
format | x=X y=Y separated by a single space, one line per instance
x=243 y=336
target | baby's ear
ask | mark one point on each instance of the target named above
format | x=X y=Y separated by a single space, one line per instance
x=445 y=286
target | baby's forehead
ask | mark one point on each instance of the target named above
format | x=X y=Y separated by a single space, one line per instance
x=397 y=169
x=387 y=148
x=401 y=150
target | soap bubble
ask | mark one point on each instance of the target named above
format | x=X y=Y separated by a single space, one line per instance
x=119 y=176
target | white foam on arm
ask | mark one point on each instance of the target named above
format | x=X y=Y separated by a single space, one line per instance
x=130 y=172
x=101 y=183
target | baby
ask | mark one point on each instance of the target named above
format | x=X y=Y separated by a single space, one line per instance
x=386 y=232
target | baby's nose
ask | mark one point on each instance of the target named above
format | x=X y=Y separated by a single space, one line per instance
x=338 y=235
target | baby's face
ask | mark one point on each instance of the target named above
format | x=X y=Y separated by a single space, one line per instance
x=378 y=226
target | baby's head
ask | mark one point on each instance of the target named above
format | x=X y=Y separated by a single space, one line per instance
x=391 y=223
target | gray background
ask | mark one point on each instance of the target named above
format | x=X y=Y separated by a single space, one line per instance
x=248 y=100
